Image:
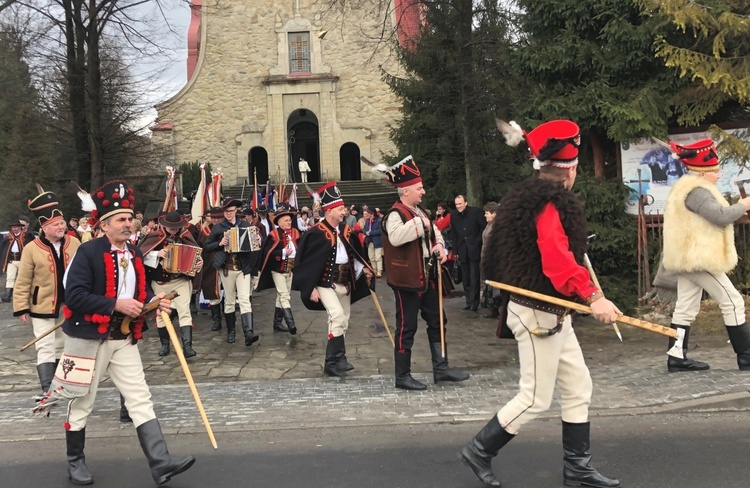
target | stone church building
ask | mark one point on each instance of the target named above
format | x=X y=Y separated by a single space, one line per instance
x=273 y=81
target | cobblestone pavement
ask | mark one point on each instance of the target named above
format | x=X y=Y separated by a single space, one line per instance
x=278 y=382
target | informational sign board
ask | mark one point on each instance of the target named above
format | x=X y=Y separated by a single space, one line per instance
x=659 y=171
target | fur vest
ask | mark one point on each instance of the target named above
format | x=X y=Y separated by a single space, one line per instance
x=692 y=243
x=512 y=255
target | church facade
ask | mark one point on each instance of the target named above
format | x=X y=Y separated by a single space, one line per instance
x=273 y=82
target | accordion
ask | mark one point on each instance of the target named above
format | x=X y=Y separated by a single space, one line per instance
x=181 y=259
x=243 y=239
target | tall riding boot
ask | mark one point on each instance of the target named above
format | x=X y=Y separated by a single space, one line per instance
x=440 y=369
x=676 y=364
x=247 y=328
x=739 y=336
x=278 y=316
x=78 y=472
x=124 y=414
x=216 y=317
x=164 y=339
x=404 y=379
x=163 y=465
x=577 y=469
x=187 y=341
x=343 y=363
x=478 y=453
x=289 y=319
x=46 y=372
x=230 y=319
x=7 y=296
x=334 y=353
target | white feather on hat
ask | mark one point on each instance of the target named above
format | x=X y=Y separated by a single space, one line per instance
x=511 y=131
x=87 y=203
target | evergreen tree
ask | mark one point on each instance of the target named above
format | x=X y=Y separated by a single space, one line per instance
x=714 y=55
x=593 y=61
x=458 y=78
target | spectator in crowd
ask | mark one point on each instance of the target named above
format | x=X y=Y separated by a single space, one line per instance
x=372 y=230
x=467 y=224
x=492 y=304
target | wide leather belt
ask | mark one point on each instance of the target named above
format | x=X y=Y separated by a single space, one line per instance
x=539 y=305
x=115 y=333
x=340 y=274
x=15 y=256
x=232 y=263
x=289 y=265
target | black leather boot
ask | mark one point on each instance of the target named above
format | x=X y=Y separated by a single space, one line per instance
x=164 y=339
x=577 y=469
x=334 y=353
x=187 y=342
x=739 y=336
x=404 y=379
x=124 y=415
x=7 y=296
x=289 y=319
x=677 y=364
x=440 y=369
x=216 y=317
x=247 y=328
x=46 y=372
x=193 y=303
x=344 y=363
x=163 y=465
x=478 y=453
x=230 y=319
x=278 y=317
x=78 y=472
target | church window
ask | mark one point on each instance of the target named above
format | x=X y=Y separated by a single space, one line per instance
x=299 y=52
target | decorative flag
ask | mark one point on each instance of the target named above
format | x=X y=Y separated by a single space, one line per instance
x=199 y=203
x=293 y=197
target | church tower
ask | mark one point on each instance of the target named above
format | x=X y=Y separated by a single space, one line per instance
x=272 y=82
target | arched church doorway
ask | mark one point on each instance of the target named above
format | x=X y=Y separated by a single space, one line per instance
x=257 y=161
x=303 y=142
x=351 y=170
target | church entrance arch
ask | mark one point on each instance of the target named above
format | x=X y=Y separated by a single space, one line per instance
x=303 y=141
x=257 y=161
x=351 y=170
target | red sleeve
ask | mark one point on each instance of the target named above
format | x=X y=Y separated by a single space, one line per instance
x=443 y=223
x=558 y=263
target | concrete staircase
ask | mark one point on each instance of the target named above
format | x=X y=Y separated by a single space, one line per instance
x=372 y=193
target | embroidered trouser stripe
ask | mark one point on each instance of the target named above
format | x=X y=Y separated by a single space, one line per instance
x=409 y=304
x=546 y=361
x=690 y=287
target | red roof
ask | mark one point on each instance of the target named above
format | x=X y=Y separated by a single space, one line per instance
x=409 y=21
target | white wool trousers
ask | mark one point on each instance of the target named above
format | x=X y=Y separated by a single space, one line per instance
x=546 y=362
x=690 y=287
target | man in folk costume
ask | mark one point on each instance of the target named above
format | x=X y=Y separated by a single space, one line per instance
x=409 y=241
x=38 y=291
x=106 y=282
x=331 y=274
x=538 y=242
x=277 y=258
x=210 y=284
x=236 y=270
x=172 y=230
x=10 y=252
x=699 y=247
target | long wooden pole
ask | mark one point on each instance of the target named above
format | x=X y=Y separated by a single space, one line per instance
x=382 y=317
x=641 y=324
x=183 y=362
x=37 y=339
x=590 y=267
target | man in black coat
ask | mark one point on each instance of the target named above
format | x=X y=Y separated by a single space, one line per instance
x=467 y=224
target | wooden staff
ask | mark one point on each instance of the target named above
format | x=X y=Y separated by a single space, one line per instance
x=178 y=350
x=587 y=261
x=382 y=317
x=641 y=324
x=440 y=303
x=37 y=339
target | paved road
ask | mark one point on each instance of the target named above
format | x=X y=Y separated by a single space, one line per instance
x=686 y=451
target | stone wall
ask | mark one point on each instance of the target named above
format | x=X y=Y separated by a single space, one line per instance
x=241 y=97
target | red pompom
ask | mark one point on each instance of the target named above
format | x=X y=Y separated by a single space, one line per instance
x=95 y=213
x=105 y=203
x=115 y=196
x=68 y=313
x=131 y=198
x=125 y=204
x=66 y=425
x=130 y=191
x=100 y=194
